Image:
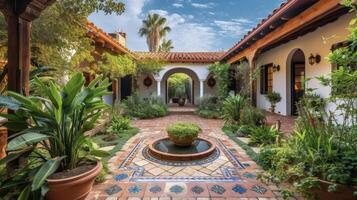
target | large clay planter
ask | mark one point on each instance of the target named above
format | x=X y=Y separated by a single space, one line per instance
x=343 y=192
x=73 y=188
x=182 y=141
x=3 y=142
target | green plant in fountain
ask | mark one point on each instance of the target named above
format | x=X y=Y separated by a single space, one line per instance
x=50 y=132
x=274 y=98
x=182 y=129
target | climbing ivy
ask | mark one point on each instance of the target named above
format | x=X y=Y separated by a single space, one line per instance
x=149 y=66
x=115 y=66
x=221 y=74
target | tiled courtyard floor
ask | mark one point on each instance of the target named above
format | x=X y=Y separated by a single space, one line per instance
x=228 y=174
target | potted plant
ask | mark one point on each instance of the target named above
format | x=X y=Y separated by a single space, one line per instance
x=183 y=134
x=273 y=98
x=181 y=94
x=61 y=160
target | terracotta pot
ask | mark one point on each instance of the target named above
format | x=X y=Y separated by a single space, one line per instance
x=343 y=192
x=181 y=102
x=183 y=141
x=73 y=188
x=3 y=142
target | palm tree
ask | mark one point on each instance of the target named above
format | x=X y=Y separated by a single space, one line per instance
x=166 y=46
x=154 y=28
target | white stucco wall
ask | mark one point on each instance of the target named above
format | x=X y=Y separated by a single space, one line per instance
x=320 y=41
x=197 y=72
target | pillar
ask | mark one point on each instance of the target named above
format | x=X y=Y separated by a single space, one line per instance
x=158 y=87
x=201 y=88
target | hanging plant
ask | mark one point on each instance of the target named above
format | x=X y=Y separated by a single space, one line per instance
x=147 y=81
x=211 y=82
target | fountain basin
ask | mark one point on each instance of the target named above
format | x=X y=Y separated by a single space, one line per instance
x=165 y=149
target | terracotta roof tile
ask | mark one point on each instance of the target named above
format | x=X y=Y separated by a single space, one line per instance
x=182 y=57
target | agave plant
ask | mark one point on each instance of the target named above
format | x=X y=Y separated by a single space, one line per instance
x=49 y=130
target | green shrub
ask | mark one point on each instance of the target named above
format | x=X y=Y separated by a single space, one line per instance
x=263 y=135
x=182 y=129
x=232 y=107
x=135 y=107
x=118 y=124
x=209 y=108
x=251 y=116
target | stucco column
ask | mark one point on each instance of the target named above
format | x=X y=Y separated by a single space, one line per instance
x=158 y=87
x=201 y=88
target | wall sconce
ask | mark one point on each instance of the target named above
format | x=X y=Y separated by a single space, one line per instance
x=276 y=68
x=314 y=59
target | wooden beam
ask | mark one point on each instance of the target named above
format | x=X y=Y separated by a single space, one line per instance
x=311 y=14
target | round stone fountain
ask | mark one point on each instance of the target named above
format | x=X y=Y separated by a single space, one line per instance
x=165 y=149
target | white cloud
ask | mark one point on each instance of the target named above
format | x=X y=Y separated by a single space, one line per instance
x=177 y=5
x=186 y=35
x=235 y=27
x=203 y=5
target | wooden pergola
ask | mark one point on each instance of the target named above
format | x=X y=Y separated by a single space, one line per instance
x=19 y=15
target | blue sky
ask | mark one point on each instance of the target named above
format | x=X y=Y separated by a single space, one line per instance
x=197 y=25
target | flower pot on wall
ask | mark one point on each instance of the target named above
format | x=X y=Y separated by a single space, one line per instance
x=342 y=192
x=75 y=187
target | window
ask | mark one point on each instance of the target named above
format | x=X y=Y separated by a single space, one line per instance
x=266 y=78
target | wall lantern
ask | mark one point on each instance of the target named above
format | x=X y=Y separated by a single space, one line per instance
x=314 y=59
x=147 y=81
x=276 y=68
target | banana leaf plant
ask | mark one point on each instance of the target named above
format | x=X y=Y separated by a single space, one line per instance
x=49 y=131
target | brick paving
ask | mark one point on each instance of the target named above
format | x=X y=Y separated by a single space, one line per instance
x=231 y=175
x=287 y=122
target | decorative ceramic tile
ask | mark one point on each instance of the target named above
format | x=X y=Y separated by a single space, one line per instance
x=113 y=190
x=176 y=189
x=197 y=189
x=120 y=177
x=218 y=189
x=239 y=189
x=134 y=189
x=155 y=189
x=259 y=189
x=249 y=175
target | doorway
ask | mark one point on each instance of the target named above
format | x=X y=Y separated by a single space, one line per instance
x=179 y=85
x=297 y=79
x=126 y=87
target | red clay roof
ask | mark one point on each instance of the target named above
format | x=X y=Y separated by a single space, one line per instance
x=99 y=34
x=182 y=57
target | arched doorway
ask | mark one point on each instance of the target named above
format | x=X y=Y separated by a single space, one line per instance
x=191 y=87
x=296 y=77
x=179 y=85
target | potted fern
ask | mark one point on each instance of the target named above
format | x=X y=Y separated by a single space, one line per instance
x=49 y=131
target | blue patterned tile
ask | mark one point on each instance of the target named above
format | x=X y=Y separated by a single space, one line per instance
x=249 y=175
x=120 y=177
x=113 y=190
x=218 y=189
x=176 y=189
x=259 y=189
x=134 y=189
x=197 y=189
x=239 y=189
x=155 y=189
